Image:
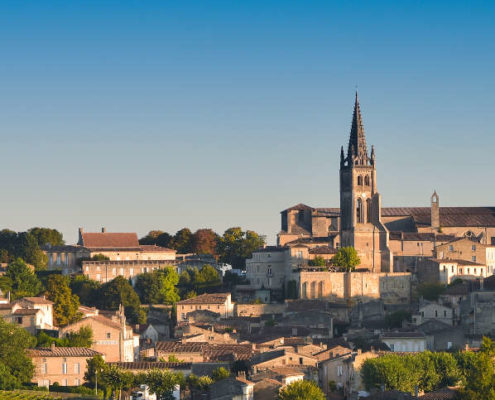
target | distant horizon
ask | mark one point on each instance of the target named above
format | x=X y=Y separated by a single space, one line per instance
x=151 y=116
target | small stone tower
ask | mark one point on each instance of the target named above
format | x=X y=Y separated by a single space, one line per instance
x=360 y=203
x=435 y=211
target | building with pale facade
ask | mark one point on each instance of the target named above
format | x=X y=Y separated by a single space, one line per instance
x=218 y=303
x=63 y=365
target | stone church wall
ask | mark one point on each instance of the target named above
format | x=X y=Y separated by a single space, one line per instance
x=391 y=288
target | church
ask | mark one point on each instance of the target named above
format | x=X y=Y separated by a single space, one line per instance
x=387 y=239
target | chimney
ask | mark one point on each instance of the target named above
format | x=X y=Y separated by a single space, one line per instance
x=103 y=230
x=52 y=346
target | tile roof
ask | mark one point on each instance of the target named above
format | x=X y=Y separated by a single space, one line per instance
x=109 y=240
x=179 y=347
x=37 y=300
x=421 y=236
x=62 y=352
x=208 y=298
x=323 y=250
x=145 y=365
x=392 y=335
x=210 y=352
x=27 y=311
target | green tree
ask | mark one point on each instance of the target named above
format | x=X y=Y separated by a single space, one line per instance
x=16 y=368
x=46 y=236
x=65 y=304
x=158 y=238
x=28 y=249
x=82 y=338
x=158 y=287
x=204 y=241
x=162 y=382
x=220 y=373
x=182 y=241
x=477 y=375
x=346 y=258
x=86 y=289
x=22 y=280
x=431 y=291
x=119 y=291
x=117 y=380
x=318 y=261
x=301 y=390
x=235 y=246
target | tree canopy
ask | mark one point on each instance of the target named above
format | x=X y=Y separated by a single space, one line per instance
x=21 y=280
x=23 y=245
x=346 y=258
x=65 y=304
x=16 y=368
x=46 y=236
x=158 y=287
x=301 y=390
x=119 y=291
x=236 y=245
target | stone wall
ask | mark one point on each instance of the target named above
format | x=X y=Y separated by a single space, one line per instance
x=391 y=288
x=256 y=310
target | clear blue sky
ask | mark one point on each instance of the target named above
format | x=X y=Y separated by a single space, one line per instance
x=140 y=115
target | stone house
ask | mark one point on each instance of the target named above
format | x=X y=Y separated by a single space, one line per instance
x=44 y=318
x=441 y=336
x=199 y=351
x=447 y=270
x=220 y=303
x=280 y=358
x=63 y=365
x=434 y=311
x=404 y=341
x=231 y=389
x=111 y=336
x=344 y=370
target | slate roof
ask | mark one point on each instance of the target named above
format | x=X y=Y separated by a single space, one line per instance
x=62 y=352
x=109 y=240
x=421 y=236
x=393 y=335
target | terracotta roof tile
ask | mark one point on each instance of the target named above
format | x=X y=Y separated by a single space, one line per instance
x=62 y=352
x=109 y=239
x=145 y=365
x=208 y=298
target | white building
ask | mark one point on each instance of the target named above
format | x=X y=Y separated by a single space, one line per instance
x=404 y=341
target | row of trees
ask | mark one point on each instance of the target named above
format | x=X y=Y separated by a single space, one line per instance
x=473 y=371
x=27 y=245
x=233 y=247
x=112 y=380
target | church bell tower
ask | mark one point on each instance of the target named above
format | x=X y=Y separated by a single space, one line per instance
x=360 y=203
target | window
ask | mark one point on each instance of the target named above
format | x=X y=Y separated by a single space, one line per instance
x=300 y=216
x=131 y=272
x=492 y=240
x=445 y=313
x=269 y=270
x=452 y=269
x=64 y=367
x=65 y=382
x=474 y=258
x=77 y=368
x=367 y=180
x=19 y=320
x=467 y=271
x=360 y=180
x=473 y=247
x=301 y=361
x=108 y=335
x=451 y=248
x=58 y=259
x=114 y=271
x=77 y=382
x=392 y=346
x=340 y=371
x=44 y=367
x=359 y=210
x=436 y=313
x=368 y=210
x=183 y=316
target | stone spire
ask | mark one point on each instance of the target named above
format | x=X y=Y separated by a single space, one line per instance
x=357 y=139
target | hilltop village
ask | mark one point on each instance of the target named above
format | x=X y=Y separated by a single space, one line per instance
x=356 y=301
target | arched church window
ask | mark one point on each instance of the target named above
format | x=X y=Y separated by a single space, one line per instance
x=360 y=180
x=368 y=210
x=359 y=210
x=367 y=180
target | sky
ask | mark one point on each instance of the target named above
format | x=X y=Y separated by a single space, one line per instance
x=141 y=115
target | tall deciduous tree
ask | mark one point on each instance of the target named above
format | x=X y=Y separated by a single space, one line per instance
x=119 y=291
x=22 y=280
x=301 y=390
x=16 y=368
x=346 y=258
x=158 y=287
x=46 y=236
x=236 y=245
x=182 y=241
x=65 y=304
x=204 y=241
x=158 y=238
x=86 y=289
